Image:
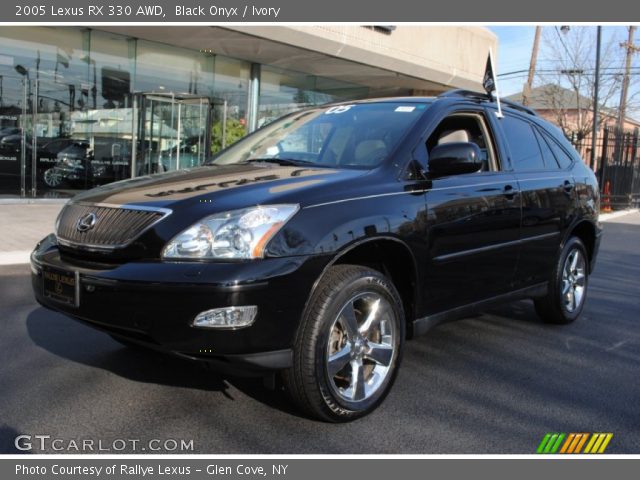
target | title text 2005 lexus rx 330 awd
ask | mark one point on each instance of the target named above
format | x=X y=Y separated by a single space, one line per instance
x=318 y=245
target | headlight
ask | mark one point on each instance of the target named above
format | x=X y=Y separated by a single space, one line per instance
x=239 y=234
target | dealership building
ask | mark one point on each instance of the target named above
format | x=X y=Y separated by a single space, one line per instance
x=81 y=107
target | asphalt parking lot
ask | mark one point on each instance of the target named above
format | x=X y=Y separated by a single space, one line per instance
x=495 y=383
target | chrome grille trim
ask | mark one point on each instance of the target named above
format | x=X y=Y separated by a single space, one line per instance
x=117 y=225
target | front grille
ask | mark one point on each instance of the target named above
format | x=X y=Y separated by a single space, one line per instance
x=114 y=227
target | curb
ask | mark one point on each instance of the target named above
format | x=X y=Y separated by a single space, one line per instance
x=33 y=201
x=15 y=258
x=604 y=217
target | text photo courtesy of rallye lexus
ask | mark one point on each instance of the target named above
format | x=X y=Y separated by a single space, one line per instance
x=315 y=247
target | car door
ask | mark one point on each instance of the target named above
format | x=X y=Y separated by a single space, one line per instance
x=548 y=197
x=473 y=221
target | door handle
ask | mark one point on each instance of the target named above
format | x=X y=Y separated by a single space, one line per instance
x=510 y=192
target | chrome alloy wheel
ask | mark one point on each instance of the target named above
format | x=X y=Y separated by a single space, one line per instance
x=361 y=347
x=573 y=280
x=52 y=177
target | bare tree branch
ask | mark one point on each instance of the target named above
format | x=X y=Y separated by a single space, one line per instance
x=567 y=82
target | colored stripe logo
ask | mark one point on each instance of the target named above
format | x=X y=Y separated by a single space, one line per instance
x=574 y=443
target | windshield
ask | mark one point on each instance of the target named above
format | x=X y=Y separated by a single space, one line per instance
x=351 y=136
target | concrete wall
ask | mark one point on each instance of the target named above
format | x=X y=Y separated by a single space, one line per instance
x=423 y=59
x=448 y=56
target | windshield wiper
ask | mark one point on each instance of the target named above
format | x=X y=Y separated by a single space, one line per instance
x=289 y=162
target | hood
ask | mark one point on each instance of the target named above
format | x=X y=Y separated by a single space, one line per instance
x=228 y=186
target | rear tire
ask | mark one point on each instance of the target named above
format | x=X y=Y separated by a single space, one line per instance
x=567 y=287
x=348 y=346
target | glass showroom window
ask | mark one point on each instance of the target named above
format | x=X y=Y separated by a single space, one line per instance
x=106 y=126
x=231 y=91
x=166 y=69
x=284 y=91
x=44 y=82
x=176 y=85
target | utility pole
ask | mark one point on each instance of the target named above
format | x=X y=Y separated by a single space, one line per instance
x=526 y=92
x=631 y=49
x=595 y=126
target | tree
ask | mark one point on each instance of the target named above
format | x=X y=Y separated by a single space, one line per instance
x=569 y=66
x=234 y=131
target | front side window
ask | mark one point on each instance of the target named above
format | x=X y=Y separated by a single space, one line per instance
x=466 y=127
x=523 y=145
x=349 y=136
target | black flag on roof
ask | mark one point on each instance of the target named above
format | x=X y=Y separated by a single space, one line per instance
x=489 y=80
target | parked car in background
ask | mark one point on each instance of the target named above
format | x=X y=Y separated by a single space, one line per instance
x=13 y=141
x=317 y=246
x=9 y=131
x=47 y=150
x=72 y=168
x=83 y=164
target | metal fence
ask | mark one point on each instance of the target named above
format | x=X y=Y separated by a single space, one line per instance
x=618 y=168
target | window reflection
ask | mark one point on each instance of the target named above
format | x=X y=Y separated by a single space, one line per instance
x=284 y=91
x=80 y=107
x=230 y=112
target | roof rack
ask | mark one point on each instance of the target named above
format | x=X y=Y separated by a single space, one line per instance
x=486 y=98
x=518 y=106
x=465 y=93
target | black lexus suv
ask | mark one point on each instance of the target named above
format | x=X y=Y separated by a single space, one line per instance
x=317 y=245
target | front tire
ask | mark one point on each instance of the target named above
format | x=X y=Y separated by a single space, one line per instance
x=349 y=345
x=567 y=287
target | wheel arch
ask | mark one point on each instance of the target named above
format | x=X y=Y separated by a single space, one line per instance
x=390 y=256
x=586 y=232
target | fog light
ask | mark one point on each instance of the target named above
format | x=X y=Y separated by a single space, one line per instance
x=228 y=317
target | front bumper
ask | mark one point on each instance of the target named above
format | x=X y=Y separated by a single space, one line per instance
x=154 y=303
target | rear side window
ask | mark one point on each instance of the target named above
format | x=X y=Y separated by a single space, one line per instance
x=563 y=158
x=548 y=156
x=524 y=148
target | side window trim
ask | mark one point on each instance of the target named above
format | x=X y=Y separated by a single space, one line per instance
x=494 y=163
x=502 y=148
x=540 y=139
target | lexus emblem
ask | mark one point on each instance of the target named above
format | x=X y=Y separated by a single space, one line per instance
x=86 y=222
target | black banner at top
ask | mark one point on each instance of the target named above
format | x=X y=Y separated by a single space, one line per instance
x=372 y=11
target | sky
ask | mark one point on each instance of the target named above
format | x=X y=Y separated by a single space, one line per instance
x=514 y=52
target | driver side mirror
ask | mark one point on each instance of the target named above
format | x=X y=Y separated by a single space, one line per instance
x=454 y=159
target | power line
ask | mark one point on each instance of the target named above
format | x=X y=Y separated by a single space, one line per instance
x=632 y=74
x=566 y=49
x=618 y=70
